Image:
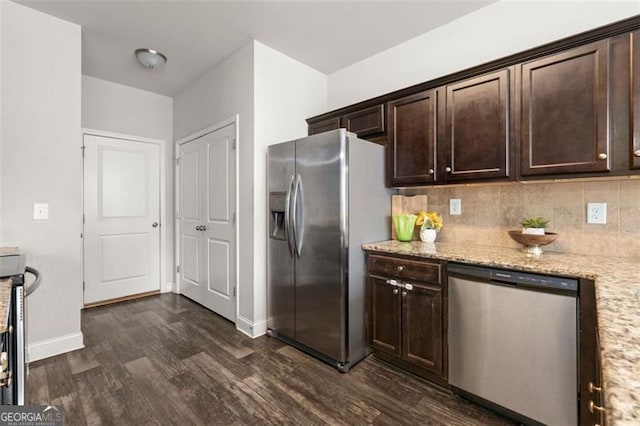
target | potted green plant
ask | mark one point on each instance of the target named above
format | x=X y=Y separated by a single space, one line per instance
x=534 y=225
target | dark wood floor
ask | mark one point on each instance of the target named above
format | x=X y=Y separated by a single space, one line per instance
x=166 y=360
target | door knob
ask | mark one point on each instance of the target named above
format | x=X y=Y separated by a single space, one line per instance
x=203 y=228
x=155 y=224
x=198 y=228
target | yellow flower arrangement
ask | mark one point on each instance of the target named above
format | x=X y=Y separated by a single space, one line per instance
x=430 y=220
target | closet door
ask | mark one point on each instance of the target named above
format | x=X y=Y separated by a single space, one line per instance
x=207 y=211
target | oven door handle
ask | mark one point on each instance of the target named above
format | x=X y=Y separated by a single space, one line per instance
x=36 y=283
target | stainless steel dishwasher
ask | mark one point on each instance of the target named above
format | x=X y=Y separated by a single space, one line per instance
x=513 y=342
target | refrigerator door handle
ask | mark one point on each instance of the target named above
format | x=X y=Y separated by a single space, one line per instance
x=297 y=237
x=287 y=217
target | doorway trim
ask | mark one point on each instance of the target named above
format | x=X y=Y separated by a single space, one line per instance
x=233 y=120
x=165 y=286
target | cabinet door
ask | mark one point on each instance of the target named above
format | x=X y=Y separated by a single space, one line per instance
x=422 y=327
x=412 y=139
x=366 y=122
x=476 y=144
x=324 y=126
x=384 y=316
x=635 y=101
x=564 y=112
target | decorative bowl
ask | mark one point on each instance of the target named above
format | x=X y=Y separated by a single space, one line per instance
x=532 y=243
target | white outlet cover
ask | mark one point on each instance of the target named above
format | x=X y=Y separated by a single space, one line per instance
x=455 y=206
x=597 y=213
x=40 y=211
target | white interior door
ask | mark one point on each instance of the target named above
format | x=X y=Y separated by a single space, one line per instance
x=207 y=236
x=122 y=216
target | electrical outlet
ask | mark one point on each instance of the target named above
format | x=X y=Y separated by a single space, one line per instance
x=455 y=206
x=40 y=211
x=597 y=213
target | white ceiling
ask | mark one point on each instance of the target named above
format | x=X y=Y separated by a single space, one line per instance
x=197 y=35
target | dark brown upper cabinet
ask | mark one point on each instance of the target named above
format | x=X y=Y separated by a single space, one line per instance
x=411 y=151
x=324 y=125
x=564 y=112
x=635 y=101
x=366 y=122
x=476 y=138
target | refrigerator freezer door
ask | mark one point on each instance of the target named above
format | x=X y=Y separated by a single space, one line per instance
x=320 y=228
x=280 y=263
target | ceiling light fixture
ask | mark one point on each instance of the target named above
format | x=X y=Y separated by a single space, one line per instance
x=150 y=58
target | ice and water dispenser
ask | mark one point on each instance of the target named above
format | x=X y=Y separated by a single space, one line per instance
x=276 y=217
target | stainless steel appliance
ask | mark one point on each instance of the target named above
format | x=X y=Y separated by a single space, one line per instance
x=13 y=378
x=513 y=342
x=327 y=197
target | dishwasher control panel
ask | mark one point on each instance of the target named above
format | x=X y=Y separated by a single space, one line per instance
x=515 y=277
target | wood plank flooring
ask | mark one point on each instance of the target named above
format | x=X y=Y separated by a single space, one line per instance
x=166 y=360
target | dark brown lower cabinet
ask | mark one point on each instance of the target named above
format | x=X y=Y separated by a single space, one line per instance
x=422 y=327
x=405 y=321
x=384 y=320
x=591 y=390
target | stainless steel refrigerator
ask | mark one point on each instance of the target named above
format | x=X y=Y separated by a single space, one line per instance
x=326 y=198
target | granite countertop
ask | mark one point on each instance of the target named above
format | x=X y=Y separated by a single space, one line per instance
x=617 y=285
x=5 y=300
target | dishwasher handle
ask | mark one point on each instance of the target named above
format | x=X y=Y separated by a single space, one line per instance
x=476 y=272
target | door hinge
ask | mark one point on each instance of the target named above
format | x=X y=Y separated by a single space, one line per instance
x=177 y=161
x=234 y=292
x=178 y=269
x=83 y=285
x=233 y=144
x=82 y=149
x=233 y=218
x=83 y=219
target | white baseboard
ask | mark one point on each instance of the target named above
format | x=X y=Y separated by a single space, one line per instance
x=167 y=288
x=55 y=346
x=251 y=329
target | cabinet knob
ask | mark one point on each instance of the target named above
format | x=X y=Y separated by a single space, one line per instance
x=636 y=153
x=593 y=407
x=448 y=169
x=602 y=156
x=431 y=170
x=392 y=282
x=408 y=287
x=593 y=388
x=404 y=293
x=400 y=268
x=395 y=291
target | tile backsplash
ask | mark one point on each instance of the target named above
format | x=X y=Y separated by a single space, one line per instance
x=490 y=210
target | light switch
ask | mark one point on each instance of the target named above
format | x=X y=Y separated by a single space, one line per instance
x=40 y=211
x=455 y=206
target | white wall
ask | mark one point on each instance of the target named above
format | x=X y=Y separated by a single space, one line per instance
x=115 y=108
x=272 y=94
x=219 y=94
x=41 y=162
x=495 y=31
x=285 y=93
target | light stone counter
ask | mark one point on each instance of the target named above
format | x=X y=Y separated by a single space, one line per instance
x=617 y=284
x=5 y=300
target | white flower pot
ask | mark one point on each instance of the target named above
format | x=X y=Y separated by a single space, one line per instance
x=428 y=235
x=533 y=231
